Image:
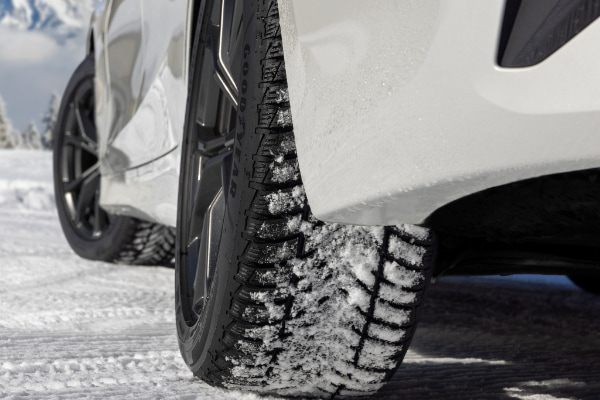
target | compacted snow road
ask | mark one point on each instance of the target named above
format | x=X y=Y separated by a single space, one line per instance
x=71 y=328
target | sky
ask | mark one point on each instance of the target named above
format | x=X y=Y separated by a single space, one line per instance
x=33 y=66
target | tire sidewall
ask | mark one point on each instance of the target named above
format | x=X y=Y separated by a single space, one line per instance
x=198 y=343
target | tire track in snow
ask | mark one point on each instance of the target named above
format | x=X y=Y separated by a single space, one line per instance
x=71 y=328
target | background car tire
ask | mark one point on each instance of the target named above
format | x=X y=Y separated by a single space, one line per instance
x=296 y=307
x=91 y=232
x=588 y=283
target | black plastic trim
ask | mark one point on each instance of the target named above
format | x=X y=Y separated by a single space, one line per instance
x=549 y=224
x=533 y=30
x=511 y=260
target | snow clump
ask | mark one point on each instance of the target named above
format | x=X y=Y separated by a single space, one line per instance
x=323 y=342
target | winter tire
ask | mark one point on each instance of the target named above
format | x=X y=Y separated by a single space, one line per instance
x=91 y=232
x=269 y=299
x=588 y=283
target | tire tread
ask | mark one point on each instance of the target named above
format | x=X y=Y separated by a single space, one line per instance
x=256 y=350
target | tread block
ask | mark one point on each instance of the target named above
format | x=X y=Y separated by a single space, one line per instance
x=365 y=377
x=284 y=202
x=407 y=252
x=359 y=297
x=273 y=116
x=255 y=334
x=149 y=244
x=375 y=354
x=275 y=49
x=277 y=171
x=261 y=253
x=401 y=276
x=274 y=229
x=272 y=29
x=248 y=350
x=386 y=313
x=276 y=95
x=348 y=377
x=245 y=273
x=273 y=70
x=274 y=276
x=397 y=296
x=275 y=145
x=262 y=295
x=386 y=334
x=416 y=235
x=257 y=313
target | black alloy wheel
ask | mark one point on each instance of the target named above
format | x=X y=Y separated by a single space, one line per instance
x=92 y=232
x=206 y=165
x=79 y=170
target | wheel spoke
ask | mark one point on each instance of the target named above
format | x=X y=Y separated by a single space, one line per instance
x=220 y=72
x=215 y=145
x=74 y=184
x=207 y=189
x=86 y=127
x=77 y=162
x=223 y=70
x=198 y=287
x=87 y=192
x=236 y=27
x=82 y=143
x=211 y=235
x=236 y=43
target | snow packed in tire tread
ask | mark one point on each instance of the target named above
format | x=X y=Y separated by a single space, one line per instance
x=320 y=310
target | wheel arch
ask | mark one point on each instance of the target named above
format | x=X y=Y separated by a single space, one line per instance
x=93 y=29
x=89 y=48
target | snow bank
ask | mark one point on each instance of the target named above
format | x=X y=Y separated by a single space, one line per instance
x=26 y=180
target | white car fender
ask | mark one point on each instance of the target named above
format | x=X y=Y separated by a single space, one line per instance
x=399 y=106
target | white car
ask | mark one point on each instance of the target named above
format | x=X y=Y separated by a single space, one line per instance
x=429 y=137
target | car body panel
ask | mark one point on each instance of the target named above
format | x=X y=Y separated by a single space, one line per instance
x=400 y=108
x=122 y=55
x=141 y=90
x=148 y=192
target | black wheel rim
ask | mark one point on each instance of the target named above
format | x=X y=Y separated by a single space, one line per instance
x=209 y=138
x=79 y=166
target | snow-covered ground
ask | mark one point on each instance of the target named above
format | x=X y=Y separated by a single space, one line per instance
x=71 y=328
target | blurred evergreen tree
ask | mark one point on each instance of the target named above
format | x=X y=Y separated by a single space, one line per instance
x=32 y=138
x=7 y=137
x=49 y=120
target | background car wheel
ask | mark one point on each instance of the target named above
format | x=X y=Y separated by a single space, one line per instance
x=91 y=232
x=268 y=298
x=588 y=283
